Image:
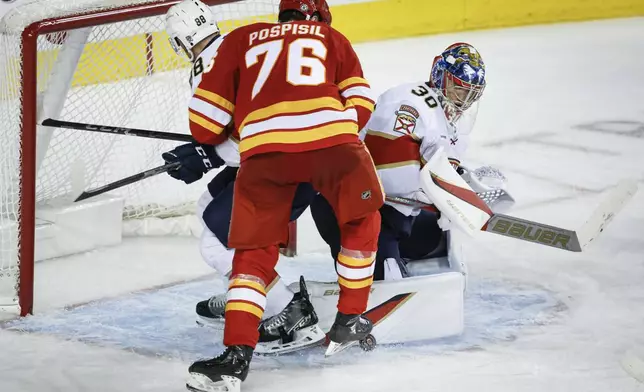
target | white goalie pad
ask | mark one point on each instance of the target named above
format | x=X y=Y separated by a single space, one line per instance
x=412 y=309
x=452 y=195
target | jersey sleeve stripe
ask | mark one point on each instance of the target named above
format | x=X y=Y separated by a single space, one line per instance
x=297 y=137
x=301 y=121
x=352 y=81
x=398 y=164
x=359 y=91
x=216 y=99
x=292 y=107
x=383 y=134
x=386 y=151
x=211 y=126
x=210 y=111
x=367 y=104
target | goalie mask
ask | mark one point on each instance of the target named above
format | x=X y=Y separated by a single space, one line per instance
x=458 y=75
x=189 y=23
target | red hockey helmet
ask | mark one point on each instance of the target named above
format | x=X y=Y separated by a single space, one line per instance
x=323 y=9
x=304 y=7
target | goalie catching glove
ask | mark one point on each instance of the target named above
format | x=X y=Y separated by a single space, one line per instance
x=195 y=159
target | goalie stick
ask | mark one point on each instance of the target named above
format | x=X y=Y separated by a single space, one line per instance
x=556 y=237
x=177 y=137
x=633 y=364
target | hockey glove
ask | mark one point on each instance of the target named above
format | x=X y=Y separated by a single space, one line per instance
x=421 y=196
x=196 y=160
x=491 y=186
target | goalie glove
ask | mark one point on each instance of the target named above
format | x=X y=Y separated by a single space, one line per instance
x=195 y=159
x=490 y=185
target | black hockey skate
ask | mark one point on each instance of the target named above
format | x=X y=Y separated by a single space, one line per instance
x=222 y=374
x=293 y=328
x=349 y=330
x=211 y=312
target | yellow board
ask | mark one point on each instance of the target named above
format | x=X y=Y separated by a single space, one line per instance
x=124 y=58
x=386 y=19
x=370 y=21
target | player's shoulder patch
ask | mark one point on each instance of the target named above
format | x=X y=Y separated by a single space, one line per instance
x=406 y=118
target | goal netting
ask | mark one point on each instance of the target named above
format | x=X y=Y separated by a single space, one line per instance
x=92 y=61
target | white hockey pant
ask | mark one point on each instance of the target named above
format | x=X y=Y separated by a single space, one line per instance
x=220 y=258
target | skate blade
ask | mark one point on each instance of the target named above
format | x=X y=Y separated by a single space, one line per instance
x=210 y=323
x=199 y=383
x=335 y=348
x=304 y=338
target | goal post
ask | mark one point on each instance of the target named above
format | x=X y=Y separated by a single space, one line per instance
x=94 y=61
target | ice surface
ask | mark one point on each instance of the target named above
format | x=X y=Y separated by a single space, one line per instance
x=562 y=117
x=162 y=322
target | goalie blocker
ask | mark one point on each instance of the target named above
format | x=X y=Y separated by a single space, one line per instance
x=452 y=196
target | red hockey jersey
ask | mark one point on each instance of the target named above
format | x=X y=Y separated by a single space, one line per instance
x=287 y=87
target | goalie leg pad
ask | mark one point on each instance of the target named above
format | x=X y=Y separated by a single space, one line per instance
x=278 y=295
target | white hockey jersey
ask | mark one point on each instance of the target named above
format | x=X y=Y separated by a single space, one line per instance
x=405 y=130
x=229 y=149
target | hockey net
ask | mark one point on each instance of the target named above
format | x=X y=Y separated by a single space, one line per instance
x=93 y=61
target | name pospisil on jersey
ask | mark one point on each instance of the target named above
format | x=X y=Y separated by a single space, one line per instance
x=284 y=29
x=290 y=87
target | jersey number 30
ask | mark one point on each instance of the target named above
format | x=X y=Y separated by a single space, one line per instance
x=301 y=70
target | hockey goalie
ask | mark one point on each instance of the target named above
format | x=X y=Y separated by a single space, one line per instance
x=417 y=137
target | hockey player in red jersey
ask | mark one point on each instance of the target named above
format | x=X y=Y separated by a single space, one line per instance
x=296 y=94
x=215 y=205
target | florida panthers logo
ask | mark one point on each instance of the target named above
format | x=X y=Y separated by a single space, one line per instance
x=406 y=118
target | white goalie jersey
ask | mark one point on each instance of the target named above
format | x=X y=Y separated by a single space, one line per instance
x=405 y=130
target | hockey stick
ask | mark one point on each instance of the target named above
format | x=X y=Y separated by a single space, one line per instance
x=633 y=364
x=127 y=181
x=50 y=122
x=556 y=237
